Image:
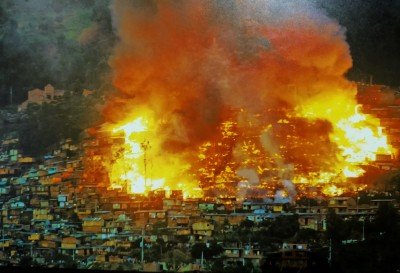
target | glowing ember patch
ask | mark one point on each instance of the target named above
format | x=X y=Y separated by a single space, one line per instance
x=138 y=183
x=136 y=150
x=355 y=172
x=157 y=184
x=139 y=164
x=360 y=141
x=126 y=168
x=332 y=190
x=358 y=136
x=132 y=127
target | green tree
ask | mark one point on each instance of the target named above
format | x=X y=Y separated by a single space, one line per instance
x=159 y=228
x=284 y=226
x=307 y=235
x=213 y=249
x=387 y=220
x=26 y=261
x=65 y=43
x=335 y=229
x=44 y=126
x=176 y=257
x=246 y=224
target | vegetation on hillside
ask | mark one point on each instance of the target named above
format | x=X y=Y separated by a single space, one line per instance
x=64 y=43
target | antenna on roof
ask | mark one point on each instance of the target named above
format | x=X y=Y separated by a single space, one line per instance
x=145 y=146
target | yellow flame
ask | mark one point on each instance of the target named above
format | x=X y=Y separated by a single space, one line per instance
x=351 y=171
x=361 y=140
x=357 y=135
x=332 y=190
x=126 y=168
x=140 y=164
x=135 y=126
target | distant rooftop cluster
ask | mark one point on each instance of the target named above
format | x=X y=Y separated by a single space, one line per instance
x=48 y=94
x=39 y=96
x=49 y=209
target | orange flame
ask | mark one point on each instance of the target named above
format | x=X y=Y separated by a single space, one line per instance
x=134 y=159
x=358 y=136
x=196 y=81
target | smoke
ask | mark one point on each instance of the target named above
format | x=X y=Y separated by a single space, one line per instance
x=271 y=147
x=196 y=63
x=290 y=188
x=281 y=197
x=251 y=179
x=250 y=175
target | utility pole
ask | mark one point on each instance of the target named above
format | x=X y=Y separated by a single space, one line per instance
x=75 y=198
x=2 y=234
x=330 y=252
x=358 y=198
x=363 y=230
x=145 y=146
x=11 y=95
x=142 y=246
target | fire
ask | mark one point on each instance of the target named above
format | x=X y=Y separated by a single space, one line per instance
x=362 y=139
x=131 y=154
x=333 y=190
x=129 y=129
x=215 y=94
x=357 y=135
x=136 y=158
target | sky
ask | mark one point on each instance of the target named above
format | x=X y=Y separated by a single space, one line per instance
x=68 y=43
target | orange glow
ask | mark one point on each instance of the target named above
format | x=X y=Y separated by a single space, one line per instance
x=230 y=104
x=358 y=136
x=138 y=165
x=333 y=190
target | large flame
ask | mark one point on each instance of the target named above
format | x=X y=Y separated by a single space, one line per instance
x=126 y=166
x=238 y=97
x=358 y=136
x=138 y=165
